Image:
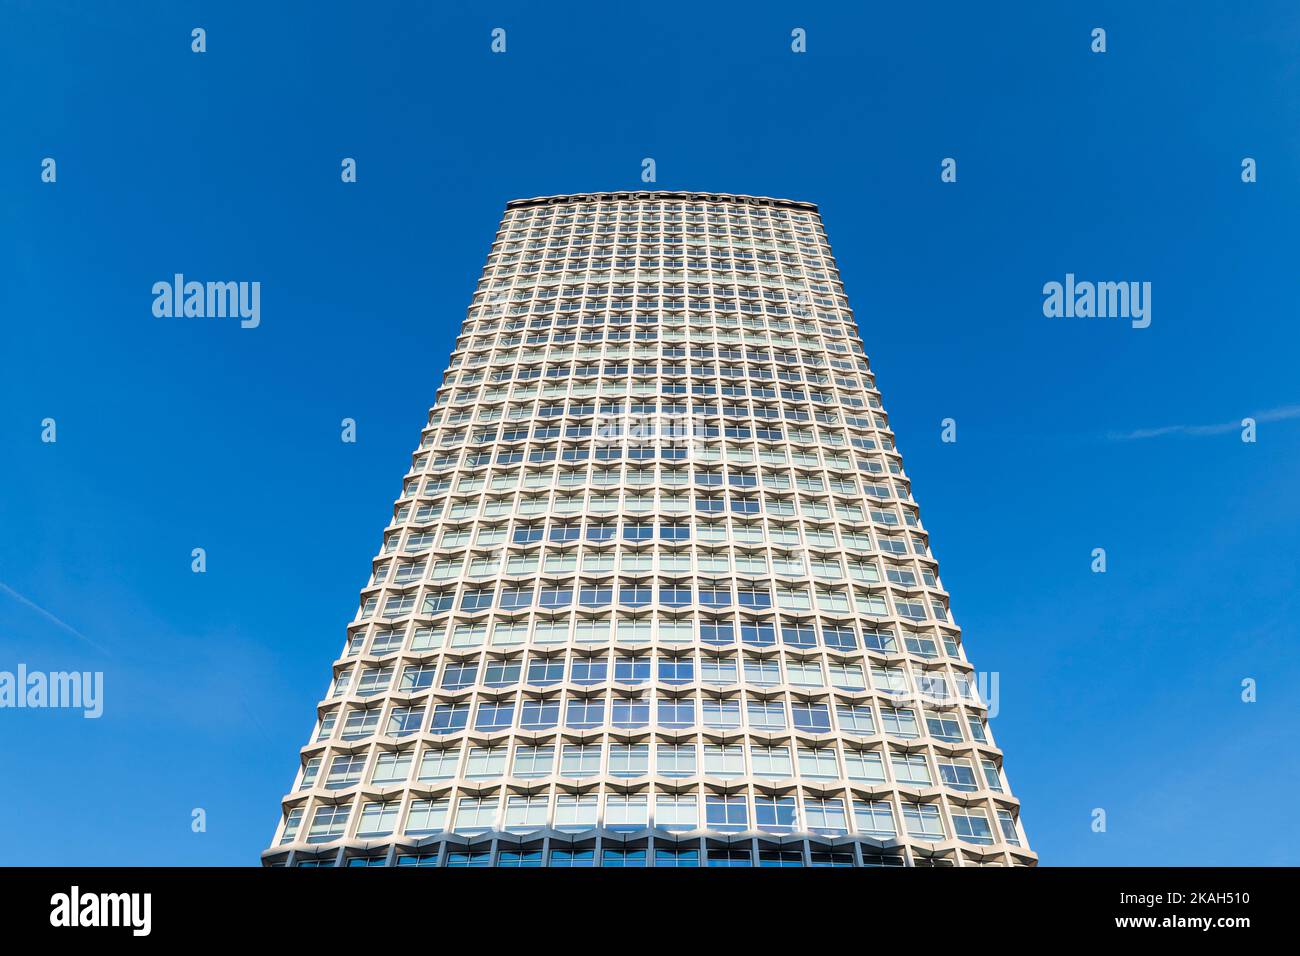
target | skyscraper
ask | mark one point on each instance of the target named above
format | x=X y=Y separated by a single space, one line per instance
x=655 y=591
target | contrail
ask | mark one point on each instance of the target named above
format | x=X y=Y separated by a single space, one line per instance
x=1271 y=415
x=46 y=614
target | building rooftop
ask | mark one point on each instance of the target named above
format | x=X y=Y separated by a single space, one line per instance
x=661 y=194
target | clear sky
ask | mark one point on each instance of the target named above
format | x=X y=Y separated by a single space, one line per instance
x=1119 y=691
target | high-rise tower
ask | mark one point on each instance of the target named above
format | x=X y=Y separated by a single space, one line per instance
x=656 y=592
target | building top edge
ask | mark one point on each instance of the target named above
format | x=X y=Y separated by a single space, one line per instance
x=661 y=194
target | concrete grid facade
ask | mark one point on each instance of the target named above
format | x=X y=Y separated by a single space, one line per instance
x=656 y=592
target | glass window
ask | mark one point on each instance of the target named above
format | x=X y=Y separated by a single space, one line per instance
x=534 y=761
x=576 y=812
x=677 y=811
x=475 y=813
x=874 y=818
x=726 y=812
x=615 y=856
x=564 y=856
x=922 y=821
x=972 y=825
x=629 y=760
x=731 y=857
x=825 y=815
x=724 y=760
x=675 y=760
x=676 y=856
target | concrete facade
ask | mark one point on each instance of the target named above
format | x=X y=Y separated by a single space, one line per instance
x=656 y=591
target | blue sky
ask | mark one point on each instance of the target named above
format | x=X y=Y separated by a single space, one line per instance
x=1118 y=690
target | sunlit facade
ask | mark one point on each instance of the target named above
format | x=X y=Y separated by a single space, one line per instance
x=656 y=591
